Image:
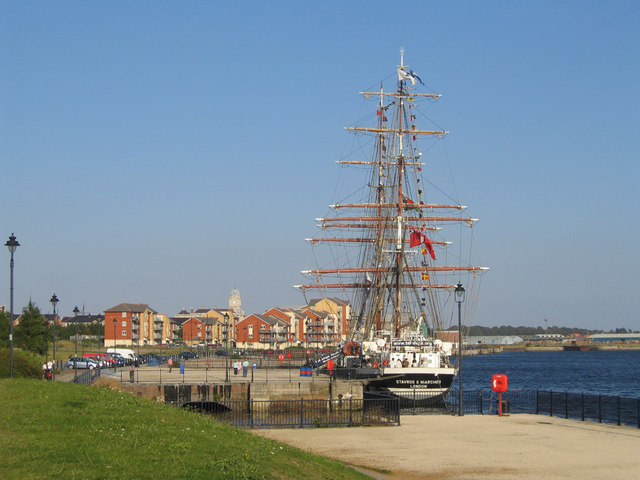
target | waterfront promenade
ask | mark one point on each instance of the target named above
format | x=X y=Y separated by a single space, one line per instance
x=444 y=447
x=196 y=372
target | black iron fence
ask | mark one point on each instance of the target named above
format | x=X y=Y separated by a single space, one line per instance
x=578 y=406
x=88 y=377
x=377 y=409
x=302 y=413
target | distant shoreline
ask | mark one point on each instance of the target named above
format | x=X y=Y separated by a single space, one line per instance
x=486 y=350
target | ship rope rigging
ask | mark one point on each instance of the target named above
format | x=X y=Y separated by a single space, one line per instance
x=396 y=285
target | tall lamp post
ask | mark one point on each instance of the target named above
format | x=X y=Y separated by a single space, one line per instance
x=11 y=244
x=225 y=332
x=76 y=310
x=306 y=341
x=114 y=341
x=54 y=301
x=459 y=299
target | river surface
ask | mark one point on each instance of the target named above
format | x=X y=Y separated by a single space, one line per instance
x=606 y=372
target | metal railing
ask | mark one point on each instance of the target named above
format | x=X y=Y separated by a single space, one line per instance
x=301 y=413
x=88 y=377
x=577 y=406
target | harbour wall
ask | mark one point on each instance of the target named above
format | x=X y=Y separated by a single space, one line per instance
x=272 y=391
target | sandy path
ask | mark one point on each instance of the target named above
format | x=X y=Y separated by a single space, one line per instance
x=477 y=446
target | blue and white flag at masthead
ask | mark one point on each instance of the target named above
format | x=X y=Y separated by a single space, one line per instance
x=410 y=75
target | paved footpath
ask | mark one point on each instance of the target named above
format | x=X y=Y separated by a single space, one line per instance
x=519 y=446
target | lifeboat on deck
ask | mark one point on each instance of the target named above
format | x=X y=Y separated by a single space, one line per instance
x=352 y=349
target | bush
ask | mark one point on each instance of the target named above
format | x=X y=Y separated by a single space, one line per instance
x=25 y=365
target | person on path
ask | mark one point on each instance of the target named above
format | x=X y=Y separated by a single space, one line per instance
x=245 y=368
x=331 y=367
x=235 y=368
x=170 y=362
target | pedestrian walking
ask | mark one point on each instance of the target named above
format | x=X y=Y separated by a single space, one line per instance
x=331 y=367
x=245 y=368
x=235 y=368
x=170 y=362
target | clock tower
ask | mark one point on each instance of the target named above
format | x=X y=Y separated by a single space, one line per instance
x=235 y=304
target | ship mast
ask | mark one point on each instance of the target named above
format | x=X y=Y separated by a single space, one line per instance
x=386 y=222
x=400 y=243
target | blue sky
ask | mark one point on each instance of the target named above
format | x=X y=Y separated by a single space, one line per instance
x=167 y=152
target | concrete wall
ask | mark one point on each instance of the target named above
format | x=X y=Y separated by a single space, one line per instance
x=254 y=391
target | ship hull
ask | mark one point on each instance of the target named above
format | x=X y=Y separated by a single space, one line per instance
x=417 y=386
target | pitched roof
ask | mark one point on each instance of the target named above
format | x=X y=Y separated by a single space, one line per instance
x=83 y=319
x=318 y=313
x=269 y=320
x=337 y=301
x=130 y=307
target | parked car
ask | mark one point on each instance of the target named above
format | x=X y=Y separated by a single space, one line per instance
x=82 y=362
x=120 y=360
x=94 y=356
x=188 y=355
x=127 y=354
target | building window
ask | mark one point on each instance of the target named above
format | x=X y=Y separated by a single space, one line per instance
x=199 y=327
x=124 y=314
x=124 y=323
x=250 y=331
x=199 y=334
x=124 y=333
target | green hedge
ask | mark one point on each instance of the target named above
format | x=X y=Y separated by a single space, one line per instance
x=25 y=365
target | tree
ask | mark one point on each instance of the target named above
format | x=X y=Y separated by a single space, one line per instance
x=4 y=329
x=31 y=332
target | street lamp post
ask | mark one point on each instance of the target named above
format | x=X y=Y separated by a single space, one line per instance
x=274 y=344
x=54 y=301
x=11 y=244
x=76 y=310
x=114 y=340
x=225 y=332
x=459 y=299
x=306 y=341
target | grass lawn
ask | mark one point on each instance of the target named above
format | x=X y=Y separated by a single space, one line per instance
x=61 y=430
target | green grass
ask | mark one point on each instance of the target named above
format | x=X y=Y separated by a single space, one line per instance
x=60 y=430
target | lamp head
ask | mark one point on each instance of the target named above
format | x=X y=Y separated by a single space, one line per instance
x=76 y=310
x=459 y=293
x=12 y=243
x=54 y=300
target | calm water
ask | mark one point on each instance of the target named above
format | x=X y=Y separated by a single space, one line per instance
x=593 y=372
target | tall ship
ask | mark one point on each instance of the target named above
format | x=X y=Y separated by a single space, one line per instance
x=388 y=246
